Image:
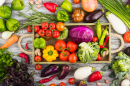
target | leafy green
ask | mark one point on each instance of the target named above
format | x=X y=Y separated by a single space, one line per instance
x=106 y=67
x=5 y=61
x=88 y=51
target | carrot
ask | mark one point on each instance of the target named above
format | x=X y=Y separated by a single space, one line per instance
x=10 y=42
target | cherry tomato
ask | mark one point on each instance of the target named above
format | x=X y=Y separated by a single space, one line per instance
x=127 y=37
x=44 y=25
x=29 y=28
x=52 y=26
x=72 y=58
x=95 y=39
x=64 y=55
x=99 y=58
x=60 y=45
x=52 y=84
x=72 y=46
x=71 y=81
x=76 y=1
x=60 y=26
x=62 y=84
x=41 y=32
x=37 y=28
x=48 y=33
x=38 y=67
x=37 y=58
x=56 y=34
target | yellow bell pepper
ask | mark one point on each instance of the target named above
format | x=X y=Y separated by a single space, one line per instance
x=50 y=54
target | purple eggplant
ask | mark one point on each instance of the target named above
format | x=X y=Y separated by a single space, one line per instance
x=128 y=4
x=49 y=70
x=94 y=16
x=64 y=72
x=82 y=83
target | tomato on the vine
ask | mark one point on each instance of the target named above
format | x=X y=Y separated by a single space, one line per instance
x=37 y=58
x=72 y=58
x=38 y=67
x=127 y=37
x=56 y=34
x=48 y=33
x=44 y=25
x=64 y=55
x=60 y=26
x=52 y=26
x=29 y=28
x=99 y=57
x=72 y=46
x=60 y=45
x=71 y=81
x=62 y=84
x=37 y=28
x=95 y=39
x=41 y=32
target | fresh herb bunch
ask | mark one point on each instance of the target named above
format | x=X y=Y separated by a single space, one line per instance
x=36 y=17
x=5 y=61
x=120 y=67
x=118 y=8
x=17 y=75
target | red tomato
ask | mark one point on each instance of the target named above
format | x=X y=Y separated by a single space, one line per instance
x=29 y=28
x=38 y=67
x=37 y=28
x=72 y=58
x=56 y=34
x=60 y=45
x=99 y=58
x=41 y=32
x=95 y=39
x=37 y=59
x=52 y=84
x=76 y=1
x=62 y=84
x=127 y=37
x=71 y=81
x=64 y=55
x=48 y=33
x=72 y=46
x=60 y=26
x=44 y=25
x=52 y=26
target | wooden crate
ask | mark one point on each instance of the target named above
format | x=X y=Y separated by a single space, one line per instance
x=92 y=26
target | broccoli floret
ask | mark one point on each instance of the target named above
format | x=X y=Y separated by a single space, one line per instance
x=88 y=51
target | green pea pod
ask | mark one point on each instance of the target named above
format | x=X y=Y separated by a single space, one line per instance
x=99 y=30
x=66 y=5
x=39 y=43
x=101 y=52
x=62 y=16
x=63 y=34
x=101 y=41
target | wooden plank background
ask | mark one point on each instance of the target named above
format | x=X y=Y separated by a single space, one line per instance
x=14 y=48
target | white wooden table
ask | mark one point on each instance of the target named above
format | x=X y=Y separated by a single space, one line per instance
x=14 y=48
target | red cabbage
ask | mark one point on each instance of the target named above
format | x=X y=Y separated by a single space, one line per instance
x=81 y=34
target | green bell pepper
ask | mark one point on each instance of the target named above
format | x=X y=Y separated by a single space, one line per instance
x=12 y=24
x=66 y=5
x=39 y=43
x=2 y=25
x=63 y=34
x=62 y=16
x=17 y=5
x=5 y=12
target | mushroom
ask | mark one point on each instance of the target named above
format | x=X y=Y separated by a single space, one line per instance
x=37 y=52
x=39 y=6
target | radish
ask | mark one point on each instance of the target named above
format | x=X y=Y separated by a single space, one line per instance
x=117 y=24
x=83 y=72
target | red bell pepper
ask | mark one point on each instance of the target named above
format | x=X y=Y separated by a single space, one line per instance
x=95 y=76
x=52 y=7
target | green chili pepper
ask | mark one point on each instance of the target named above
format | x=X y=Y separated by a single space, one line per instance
x=62 y=16
x=101 y=52
x=66 y=5
x=101 y=41
x=99 y=30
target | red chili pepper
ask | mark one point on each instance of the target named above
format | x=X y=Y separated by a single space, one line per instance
x=25 y=56
x=104 y=43
x=95 y=76
x=47 y=79
x=26 y=46
x=52 y=7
